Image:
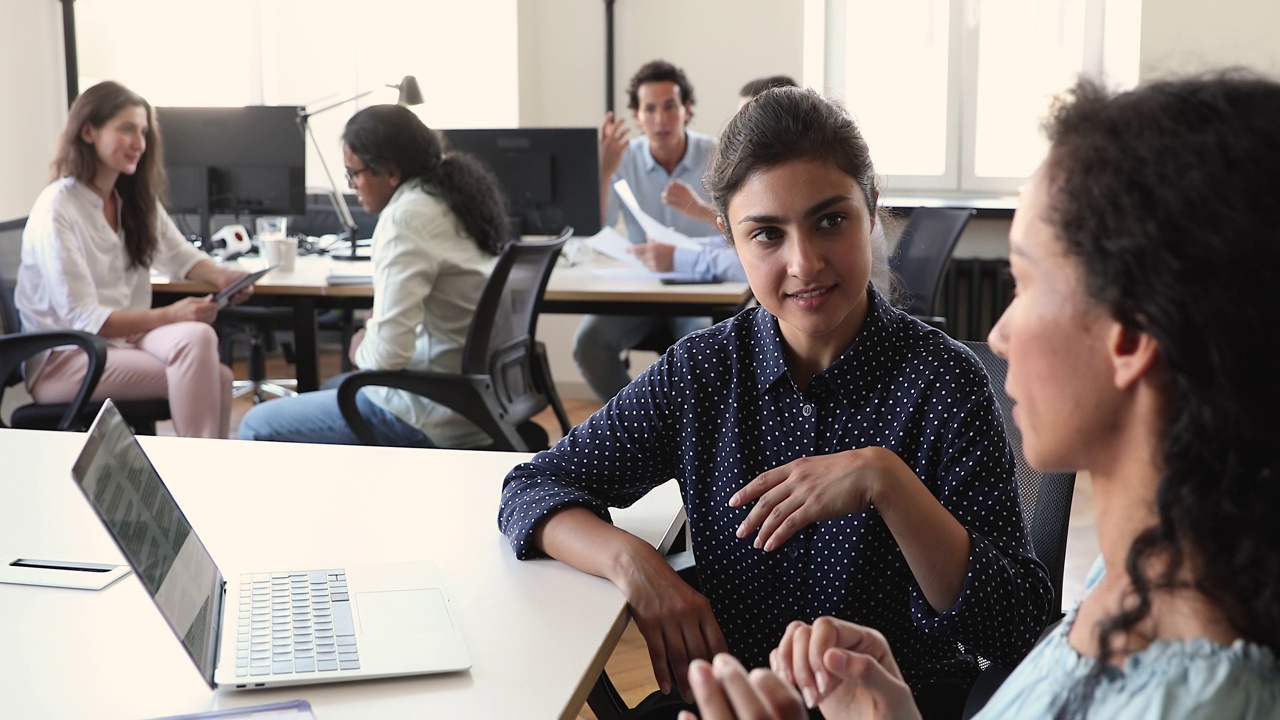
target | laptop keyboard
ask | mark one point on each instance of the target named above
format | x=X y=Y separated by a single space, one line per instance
x=297 y=622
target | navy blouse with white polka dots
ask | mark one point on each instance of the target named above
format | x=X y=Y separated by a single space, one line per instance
x=720 y=407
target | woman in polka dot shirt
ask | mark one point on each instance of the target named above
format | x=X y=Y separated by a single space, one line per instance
x=1146 y=257
x=836 y=456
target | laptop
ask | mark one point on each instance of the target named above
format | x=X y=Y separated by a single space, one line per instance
x=265 y=629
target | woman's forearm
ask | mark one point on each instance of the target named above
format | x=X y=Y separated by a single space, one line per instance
x=123 y=323
x=934 y=543
x=579 y=538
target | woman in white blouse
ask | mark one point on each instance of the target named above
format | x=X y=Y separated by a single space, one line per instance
x=90 y=243
x=442 y=220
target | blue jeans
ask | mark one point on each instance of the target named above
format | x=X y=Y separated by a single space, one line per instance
x=601 y=340
x=314 y=417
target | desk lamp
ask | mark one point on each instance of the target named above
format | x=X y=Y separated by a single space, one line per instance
x=410 y=94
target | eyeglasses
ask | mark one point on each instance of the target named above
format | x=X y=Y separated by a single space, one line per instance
x=353 y=174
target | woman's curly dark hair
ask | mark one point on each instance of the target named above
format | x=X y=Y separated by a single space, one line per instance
x=1166 y=196
x=387 y=136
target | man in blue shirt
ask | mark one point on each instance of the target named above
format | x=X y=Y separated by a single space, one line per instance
x=716 y=259
x=665 y=170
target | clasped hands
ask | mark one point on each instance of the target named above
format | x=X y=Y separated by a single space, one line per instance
x=676 y=620
x=845 y=669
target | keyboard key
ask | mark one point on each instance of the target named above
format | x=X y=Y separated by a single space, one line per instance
x=265 y=670
x=343 y=622
x=304 y=665
x=325 y=665
x=281 y=668
x=349 y=664
x=347 y=641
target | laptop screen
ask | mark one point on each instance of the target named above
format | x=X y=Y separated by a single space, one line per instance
x=145 y=521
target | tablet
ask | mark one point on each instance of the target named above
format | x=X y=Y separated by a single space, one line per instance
x=678 y=279
x=223 y=296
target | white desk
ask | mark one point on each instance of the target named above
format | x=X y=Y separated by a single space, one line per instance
x=539 y=632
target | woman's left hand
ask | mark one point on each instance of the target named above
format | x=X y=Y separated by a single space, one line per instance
x=226 y=277
x=725 y=691
x=812 y=489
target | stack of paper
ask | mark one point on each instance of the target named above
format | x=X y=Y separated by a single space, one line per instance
x=350 y=278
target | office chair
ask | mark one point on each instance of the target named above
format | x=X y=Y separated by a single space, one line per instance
x=505 y=378
x=17 y=346
x=257 y=325
x=1046 y=508
x=922 y=254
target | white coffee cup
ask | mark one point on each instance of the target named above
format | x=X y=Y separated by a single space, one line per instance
x=281 y=252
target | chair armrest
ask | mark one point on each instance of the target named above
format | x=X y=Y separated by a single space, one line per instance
x=17 y=347
x=468 y=395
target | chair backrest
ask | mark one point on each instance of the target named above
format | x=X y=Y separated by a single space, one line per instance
x=922 y=254
x=10 y=260
x=1046 y=497
x=500 y=342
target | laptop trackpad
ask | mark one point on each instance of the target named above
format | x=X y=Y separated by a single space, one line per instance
x=402 y=614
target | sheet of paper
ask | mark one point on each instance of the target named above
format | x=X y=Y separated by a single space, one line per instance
x=652 y=228
x=610 y=243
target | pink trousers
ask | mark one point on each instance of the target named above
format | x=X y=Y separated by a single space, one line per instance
x=178 y=361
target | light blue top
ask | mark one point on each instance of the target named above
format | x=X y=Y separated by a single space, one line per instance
x=647 y=179
x=1182 y=679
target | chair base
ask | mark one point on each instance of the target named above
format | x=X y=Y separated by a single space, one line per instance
x=259 y=389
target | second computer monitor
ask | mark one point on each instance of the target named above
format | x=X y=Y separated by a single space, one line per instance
x=551 y=176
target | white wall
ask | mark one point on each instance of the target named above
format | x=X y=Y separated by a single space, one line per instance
x=1191 y=35
x=34 y=96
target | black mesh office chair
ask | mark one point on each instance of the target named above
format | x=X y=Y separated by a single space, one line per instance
x=1046 y=508
x=505 y=378
x=17 y=346
x=921 y=257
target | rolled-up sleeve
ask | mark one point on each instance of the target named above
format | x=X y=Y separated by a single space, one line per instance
x=175 y=256
x=1006 y=595
x=404 y=272
x=70 y=289
x=712 y=260
x=612 y=460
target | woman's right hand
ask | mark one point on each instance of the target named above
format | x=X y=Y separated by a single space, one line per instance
x=845 y=669
x=199 y=309
x=676 y=620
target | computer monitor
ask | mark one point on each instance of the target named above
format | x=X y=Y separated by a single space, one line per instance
x=246 y=160
x=551 y=176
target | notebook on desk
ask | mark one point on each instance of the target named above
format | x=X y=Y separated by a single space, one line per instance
x=263 y=629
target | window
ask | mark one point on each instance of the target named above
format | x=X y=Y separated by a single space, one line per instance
x=311 y=53
x=950 y=93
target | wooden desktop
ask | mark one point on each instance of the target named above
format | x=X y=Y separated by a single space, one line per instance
x=582 y=288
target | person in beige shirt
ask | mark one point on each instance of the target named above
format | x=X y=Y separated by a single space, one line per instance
x=441 y=223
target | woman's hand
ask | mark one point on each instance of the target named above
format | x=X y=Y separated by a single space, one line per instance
x=198 y=309
x=613 y=143
x=226 y=276
x=725 y=691
x=676 y=620
x=845 y=669
x=357 y=337
x=811 y=489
